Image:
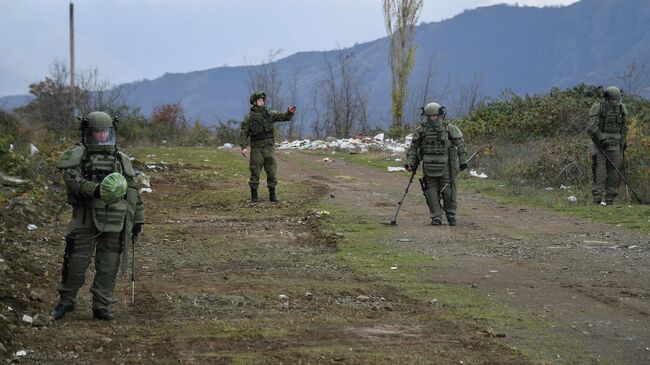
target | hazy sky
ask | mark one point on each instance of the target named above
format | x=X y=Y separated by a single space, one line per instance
x=128 y=40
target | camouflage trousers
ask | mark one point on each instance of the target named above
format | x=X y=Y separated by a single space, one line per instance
x=81 y=243
x=434 y=196
x=605 y=178
x=262 y=157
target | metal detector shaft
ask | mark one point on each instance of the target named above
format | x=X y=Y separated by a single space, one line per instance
x=636 y=196
x=452 y=180
x=399 y=204
x=134 y=240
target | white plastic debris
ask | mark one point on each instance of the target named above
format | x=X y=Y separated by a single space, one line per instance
x=482 y=175
x=31 y=227
x=283 y=297
x=395 y=169
x=572 y=199
x=549 y=189
x=393 y=267
x=326 y=159
x=227 y=146
x=603 y=203
x=379 y=137
x=32 y=149
x=21 y=353
x=27 y=319
x=11 y=147
x=564 y=187
x=146 y=190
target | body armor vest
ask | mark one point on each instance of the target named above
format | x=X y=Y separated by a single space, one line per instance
x=435 y=149
x=261 y=126
x=611 y=118
x=107 y=217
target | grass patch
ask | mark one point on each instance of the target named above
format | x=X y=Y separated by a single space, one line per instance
x=367 y=250
x=632 y=216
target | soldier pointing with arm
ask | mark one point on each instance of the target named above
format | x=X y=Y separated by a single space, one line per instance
x=257 y=130
x=441 y=148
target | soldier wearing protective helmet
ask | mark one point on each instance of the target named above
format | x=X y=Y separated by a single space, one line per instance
x=107 y=212
x=441 y=149
x=258 y=131
x=608 y=132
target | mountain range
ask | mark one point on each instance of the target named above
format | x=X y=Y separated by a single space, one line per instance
x=522 y=49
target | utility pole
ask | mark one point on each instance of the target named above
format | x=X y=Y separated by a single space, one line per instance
x=72 y=75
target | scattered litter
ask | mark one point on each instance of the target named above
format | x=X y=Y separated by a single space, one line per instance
x=152 y=167
x=326 y=159
x=309 y=295
x=146 y=190
x=21 y=353
x=564 y=187
x=359 y=144
x=395 y=169
x=633 y=246
x=32 y=149
x=393 y=267
x=603 y=203
x=398 y=160
x=549 y=189
x=227 y=146
x=321 y=213
x=572 y=199
x=283 y=297
x=434 y=301
x=493 y=271
x=404 y=240
x=27 y=319
x=482 y=175
x=31 y=227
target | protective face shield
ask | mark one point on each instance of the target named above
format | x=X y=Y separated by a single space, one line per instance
x=99 y=136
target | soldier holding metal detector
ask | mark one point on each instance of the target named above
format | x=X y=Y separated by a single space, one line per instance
x=107 y=215
x=608 y=131
x=440 y=147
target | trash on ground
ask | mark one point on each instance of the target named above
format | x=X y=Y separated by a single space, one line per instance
x=396 y=169
x=482 y=175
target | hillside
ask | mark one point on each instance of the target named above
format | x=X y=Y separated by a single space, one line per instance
x=525 y=49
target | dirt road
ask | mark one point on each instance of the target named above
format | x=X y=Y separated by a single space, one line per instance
x=225 y=281
x=590 y=280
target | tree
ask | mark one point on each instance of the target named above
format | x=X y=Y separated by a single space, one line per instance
x=470 y=97
x=400 y=17
x=425 y=93
x=53 y=103
x=635 y=78
x=168 y=121
x=342 y=94
x=265 y=77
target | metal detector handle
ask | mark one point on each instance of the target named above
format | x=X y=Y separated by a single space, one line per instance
x=455 y=175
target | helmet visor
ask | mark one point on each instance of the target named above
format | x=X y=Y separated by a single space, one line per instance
x=99 y=136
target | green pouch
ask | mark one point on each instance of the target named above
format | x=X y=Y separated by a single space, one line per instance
x=109 y=217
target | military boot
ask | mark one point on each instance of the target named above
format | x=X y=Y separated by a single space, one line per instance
x=452 y=221
x=60 y=310
x=436 y=222
x=254 y=197
x=102 y=314
x=272 y=196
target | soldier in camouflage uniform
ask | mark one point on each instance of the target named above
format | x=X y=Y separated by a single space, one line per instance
x=441 y=148
x=608 y=131
x=257 y=129
x=100 y=223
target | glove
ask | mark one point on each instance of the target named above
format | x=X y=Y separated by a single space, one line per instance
x=96 y=193
x=292 y=109
x=463 y=166
x=408 y=167
x=137 y=229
